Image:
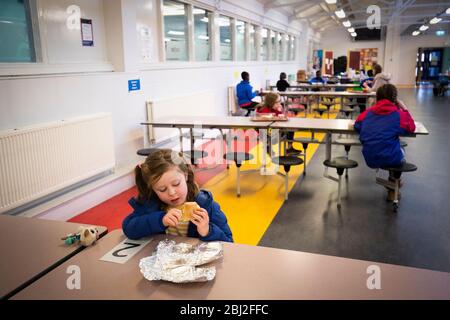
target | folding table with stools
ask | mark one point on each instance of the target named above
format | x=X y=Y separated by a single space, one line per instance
x=340 y=164
x=395 y=173
x=348 y=143
x=287 y=162
x=305 y=142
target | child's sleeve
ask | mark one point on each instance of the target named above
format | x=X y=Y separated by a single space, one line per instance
x=251 y=93
x=142 y=222
x=218 y=225
x=359 y=120
x=407 y=124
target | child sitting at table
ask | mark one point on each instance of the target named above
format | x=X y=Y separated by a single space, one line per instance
x=165 y=182
x=282 y=84
x=379 y=129
x=272 y=105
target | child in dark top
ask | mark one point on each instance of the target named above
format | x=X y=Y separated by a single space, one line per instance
x=282 y=84
x=165 y=181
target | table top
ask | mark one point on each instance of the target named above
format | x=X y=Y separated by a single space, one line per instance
x=322 y=85
x=244 y=272
x=344 y=94
x=316 y=125
x=30 y=247
x=208 y=122
x=420 y=129
x=330 y=125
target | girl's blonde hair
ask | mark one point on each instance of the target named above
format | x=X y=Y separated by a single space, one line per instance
x=158 y=163
x=269 y=100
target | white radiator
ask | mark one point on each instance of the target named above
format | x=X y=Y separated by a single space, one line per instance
x=39 y=160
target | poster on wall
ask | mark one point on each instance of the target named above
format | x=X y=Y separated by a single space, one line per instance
x=87 y=36
x=368 y=57
x=317 y=59
x=328 y=63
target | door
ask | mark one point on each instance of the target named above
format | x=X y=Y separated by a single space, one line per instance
x=429 y=63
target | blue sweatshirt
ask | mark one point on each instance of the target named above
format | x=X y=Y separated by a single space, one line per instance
x=379 y=129
x=146 y=220
x=245 y=93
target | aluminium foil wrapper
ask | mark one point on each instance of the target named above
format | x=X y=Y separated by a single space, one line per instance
x=180 y=263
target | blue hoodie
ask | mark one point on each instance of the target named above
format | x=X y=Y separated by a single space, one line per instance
x=245 y=93
x=146 y=220
x=379 y=129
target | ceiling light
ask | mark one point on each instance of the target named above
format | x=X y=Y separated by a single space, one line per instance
x=347 y=24
x=330 y=1
x=435 y=20
x=415 y=33
x=340 y=14
x=440 y=33
x=423 y=28
x=447 y=11
x=354 y=34
x=351 y=30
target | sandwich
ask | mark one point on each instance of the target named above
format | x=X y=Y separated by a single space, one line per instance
x=187 y=209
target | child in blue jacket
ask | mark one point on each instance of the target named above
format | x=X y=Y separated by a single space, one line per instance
x=381 y=125
x=165 y=181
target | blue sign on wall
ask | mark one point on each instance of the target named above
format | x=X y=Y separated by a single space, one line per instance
x=134 y=85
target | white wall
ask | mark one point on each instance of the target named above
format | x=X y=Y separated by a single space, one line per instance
x=42 y=96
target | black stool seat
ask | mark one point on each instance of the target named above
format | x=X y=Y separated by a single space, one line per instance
x=348 y=142
x=196 y=135
x=347 y=110
x=305 y=140
x=195 y=154
x=403 y=144
x=320 y=109
x=287 y=160
x=405 y=167
x=340 y=163
x=237 y=157
x=146 y=151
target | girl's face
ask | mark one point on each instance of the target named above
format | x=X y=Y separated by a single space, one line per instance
x=277 y=105
x=171 y=188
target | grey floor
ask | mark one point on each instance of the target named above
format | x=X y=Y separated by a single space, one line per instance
x=366 y=227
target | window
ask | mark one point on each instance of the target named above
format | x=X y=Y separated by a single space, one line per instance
x=273 y=43
x=293 y=47
x=288 y=50
x=252 y=43
x=280 y=47
x=240 y=40
x=16 y=34
x=226 y=52
x=202 y=35
x=265 y=44
x=175 y=30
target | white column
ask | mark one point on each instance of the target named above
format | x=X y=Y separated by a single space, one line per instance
x=120 y=22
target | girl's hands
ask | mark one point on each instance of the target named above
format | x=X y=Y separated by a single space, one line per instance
x=172 y=218
x=200 y=218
